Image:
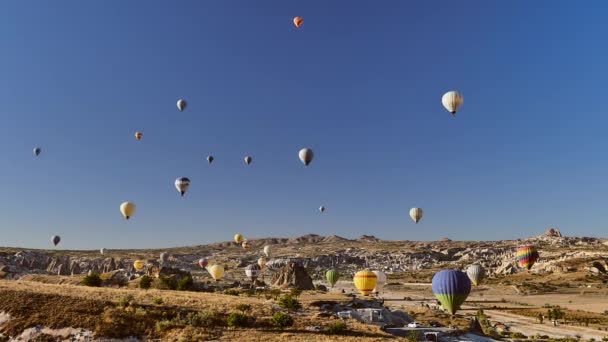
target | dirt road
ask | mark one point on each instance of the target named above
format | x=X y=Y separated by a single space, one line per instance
x=530 y=327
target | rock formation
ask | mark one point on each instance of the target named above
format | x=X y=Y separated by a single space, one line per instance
x=293 y=275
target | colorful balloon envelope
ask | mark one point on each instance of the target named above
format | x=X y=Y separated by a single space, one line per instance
x=332 y=277
x=203 y=262
x=216 y=272
x=527 y=256
x=127 y=209
x=138 y=265
x=451 y=288
x=475 y=273
x=138 y=135
x=365 y=281
x=298 y=21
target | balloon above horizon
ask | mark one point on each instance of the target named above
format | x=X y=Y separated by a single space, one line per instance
x=452 y=101
x=181 y=105
x=298 y=22
x=127 y=209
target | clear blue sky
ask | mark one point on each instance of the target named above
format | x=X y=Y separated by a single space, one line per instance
x=360 y=83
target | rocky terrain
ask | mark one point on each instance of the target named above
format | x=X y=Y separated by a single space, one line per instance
x=316 y=253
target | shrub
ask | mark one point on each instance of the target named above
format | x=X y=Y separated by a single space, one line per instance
x=518 y=335
x=126 y=301
x=243 y=307
x=237 y=319
x=281 y=320
x=232 y=292
x=207 y=318
x=92 y=279
x=168 y=283
x=338 y=328
x=145 y=282
x=414 y=336
x=289 y=303
x=295 y=292
x=185 y=284
x=168 y=324
x=157 y=300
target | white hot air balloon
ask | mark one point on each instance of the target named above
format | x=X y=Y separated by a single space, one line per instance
x=181 y=105
x=182 y=184
x=306 y=155
x=267 y=249
x=103 y=251
x=452 y=101
x=476 y=273
x=416 y=214
x=380 y=281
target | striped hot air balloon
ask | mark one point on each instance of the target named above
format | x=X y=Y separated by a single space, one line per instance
x=527 y=256
x=202 y=262
x=365 y=281
x=452 y=101
x=475 y=273
x=253 y=271
x=451 y=288
x=416 y=214
x=332 y=277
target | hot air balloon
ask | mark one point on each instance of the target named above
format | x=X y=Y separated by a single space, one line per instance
x=164 y=256
x=216 y=271
x=527 y=256
x=253 y=271
x=476 y=273
x=210 y=159
x=332 y=277
x=451 y=288
x=202 y=262
x=262 y=262
x=246 y=245
x=37 y=151
x=322 y=209
x=238 y=238
x=103 y=251
x=182 y=184
x=306 y=156
x=138 y=135
x=181 y=105
x=248 y=160
x=452 y=100
x=267 y=250
x=298 y=21
x=127 y=209
x=138 y=265
x=365 y=281
x=381 y=281
x=55 y=239
x=416 y=214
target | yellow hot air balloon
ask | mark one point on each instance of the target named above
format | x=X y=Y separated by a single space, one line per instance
x=238 y=238
x=262 y=262
x=216 y=271
x=365 y=281
x=127 y=209
x=138 y=265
